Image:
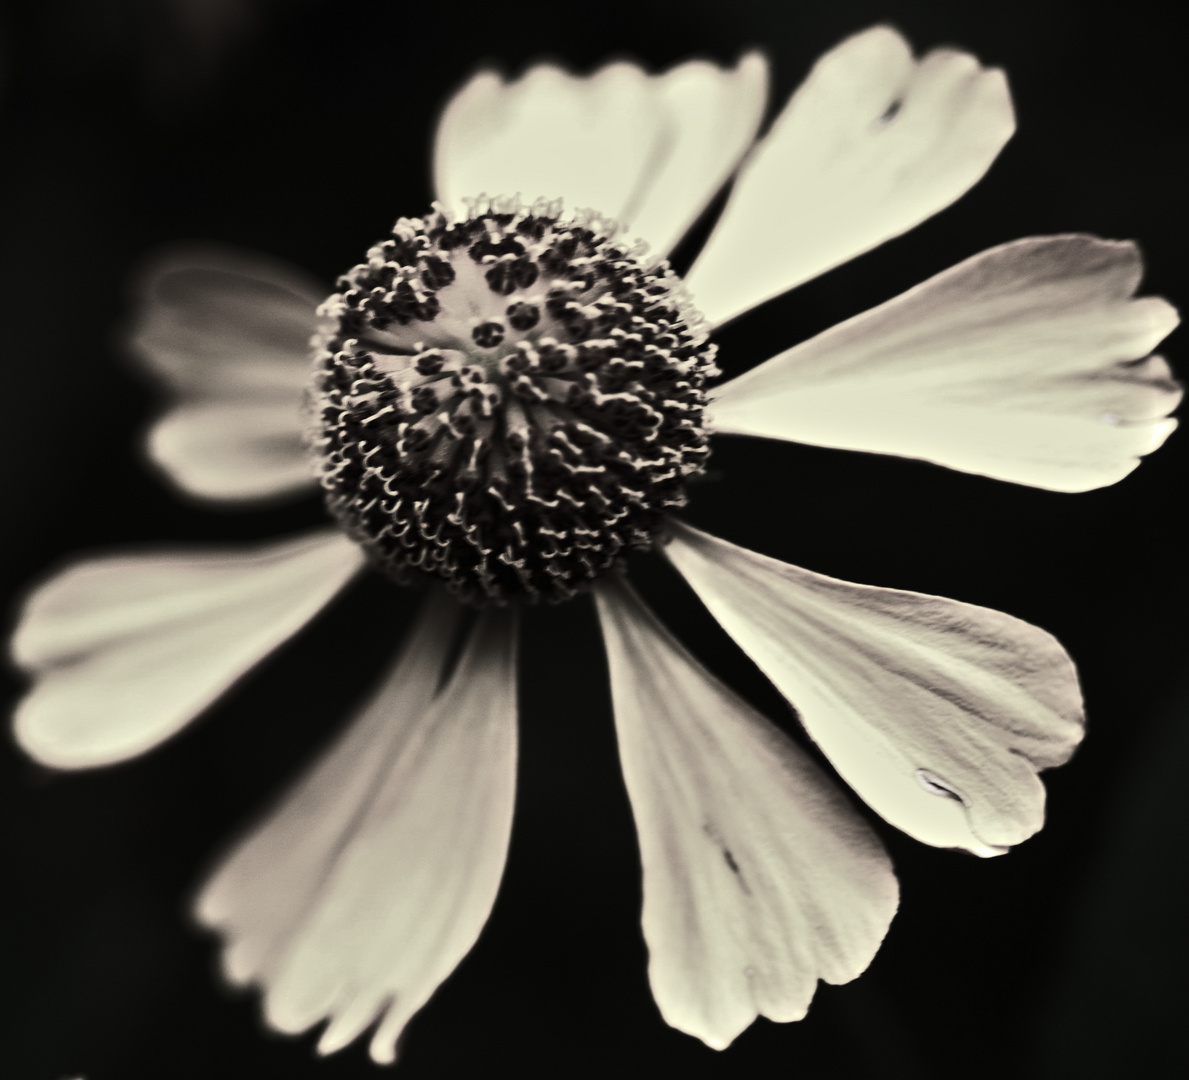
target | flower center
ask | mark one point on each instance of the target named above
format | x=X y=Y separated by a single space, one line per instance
x=507 y=402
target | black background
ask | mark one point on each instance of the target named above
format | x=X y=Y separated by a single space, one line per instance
x=301 y=129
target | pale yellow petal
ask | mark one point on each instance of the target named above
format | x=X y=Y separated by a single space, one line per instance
x=374 y=878
x=1027 y=363
x=649 y=151
x=233 y=450
x=939 y=714
x=228 y=332
x=126 y=649
x=759 y=877
x=871 y=144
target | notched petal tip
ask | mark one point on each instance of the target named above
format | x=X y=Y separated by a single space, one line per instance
x=125 y=650
x=677 y=136
x=870 y=145
x=1027 y=363
x=759 y=877
x=364 y=889
x=939 y=714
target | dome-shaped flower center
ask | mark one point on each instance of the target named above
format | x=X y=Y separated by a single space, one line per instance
x=509 y=402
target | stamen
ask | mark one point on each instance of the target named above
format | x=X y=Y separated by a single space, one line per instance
x=509 y=402
x=488 y=334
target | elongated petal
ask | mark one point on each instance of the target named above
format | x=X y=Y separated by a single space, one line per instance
x=939 y=714
x=264 y=889
x=759 y=877
x=872 y=143
x=373 y=879
x=232 y=450
x=229 y=334
x=1025 y=363
x=127 y=649
x=649 y=151
x=713 y=116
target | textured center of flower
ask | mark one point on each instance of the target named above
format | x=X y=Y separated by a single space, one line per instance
x=508 y=402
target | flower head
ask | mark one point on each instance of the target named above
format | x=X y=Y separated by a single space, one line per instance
x=506 y=397
x=508 y=403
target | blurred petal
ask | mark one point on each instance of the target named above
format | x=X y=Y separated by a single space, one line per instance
x=264 y=889
x=1023 y=363
x=220 y=324
x=228 y=450
x=649 y=151
x=871 y=144
x=229 y=333
x=127 y=649
x=759 y=877
x=373 y=879
x=713 y=117
x=938 y=714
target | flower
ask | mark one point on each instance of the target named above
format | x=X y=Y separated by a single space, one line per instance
x=505 y=398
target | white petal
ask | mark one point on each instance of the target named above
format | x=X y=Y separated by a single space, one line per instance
x=127 y=649
x=373 y=879
x=939 y=714
x=264 y=889
x=870 y=145
x=649 y=151
x=759 y=877
x=229 y=450
x=713 y=117
x=228 y=332
x=1022 y=363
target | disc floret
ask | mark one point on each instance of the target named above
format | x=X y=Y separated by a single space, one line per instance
x=508 y=402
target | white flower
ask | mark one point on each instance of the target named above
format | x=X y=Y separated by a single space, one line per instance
x=505 y=398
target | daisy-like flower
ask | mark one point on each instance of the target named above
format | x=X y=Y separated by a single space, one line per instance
x=506 y=398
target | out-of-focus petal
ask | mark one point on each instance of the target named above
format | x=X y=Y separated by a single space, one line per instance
x=939 y=714
x=126 y=649
x=373 y=879
x=871 y=144
x=215 y=323
x=713 y=117
x=229 y=334
x=232 y=450
x=1025 y=363
x=648 y=151
x=759 y=877
x=262 y=892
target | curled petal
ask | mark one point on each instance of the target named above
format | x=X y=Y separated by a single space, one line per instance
x=759 y=877
x=229 y=334
x=871 y=144
x=127 y=649
x=362 y=892
x=649 y=151
x=938 y=714
x=1027 y=363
